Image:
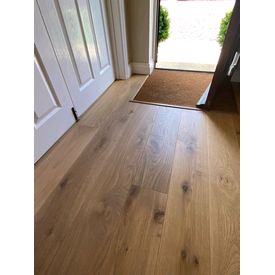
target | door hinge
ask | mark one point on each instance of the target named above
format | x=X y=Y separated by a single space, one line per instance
x=75 y=114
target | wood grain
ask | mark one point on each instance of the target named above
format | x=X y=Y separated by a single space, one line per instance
x=50 y=169
x=139 y=232
x=185 y=243
x=117 y=95
x=68 y=198
x=237 y=126
x=139 y=189
x=224 y=176
x=95 y=186
x=160 y=149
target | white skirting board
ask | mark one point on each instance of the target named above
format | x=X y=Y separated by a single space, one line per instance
x=142 y=68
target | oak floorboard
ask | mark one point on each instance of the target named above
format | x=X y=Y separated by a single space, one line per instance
x=139 y=189
x=137 y=242
x=62 y=206
x=236 y=121
x=94 y=198
x=224 y=173
x=50 y=169
x=185 y=242
x=117 y=95
x=160 y=149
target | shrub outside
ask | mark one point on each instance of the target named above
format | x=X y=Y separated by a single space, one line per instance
x=164 y=24
x=223 y=27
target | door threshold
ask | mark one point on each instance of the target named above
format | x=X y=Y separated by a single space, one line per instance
x=183 y=70
x=180 y=66
x=166 y=105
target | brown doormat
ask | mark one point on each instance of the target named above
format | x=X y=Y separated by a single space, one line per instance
x=174 y=87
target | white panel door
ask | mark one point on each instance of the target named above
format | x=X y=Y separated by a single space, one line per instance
x=79 y=35
x=52 y=103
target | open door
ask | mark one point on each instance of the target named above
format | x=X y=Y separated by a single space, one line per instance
x=227 y=61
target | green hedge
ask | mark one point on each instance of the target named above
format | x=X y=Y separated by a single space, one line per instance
x=223 y=27
x=164 y=24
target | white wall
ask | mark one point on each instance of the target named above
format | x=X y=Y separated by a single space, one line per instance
x=140 y=20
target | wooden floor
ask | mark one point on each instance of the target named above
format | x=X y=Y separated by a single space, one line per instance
x=139 y=189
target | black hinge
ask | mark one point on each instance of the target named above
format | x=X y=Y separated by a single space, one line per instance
x=75 y=114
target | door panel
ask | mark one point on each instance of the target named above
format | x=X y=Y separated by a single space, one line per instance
x=46 y=102
x=100 y=35
x=52 y=104
x=76 y=40
x=79 y=34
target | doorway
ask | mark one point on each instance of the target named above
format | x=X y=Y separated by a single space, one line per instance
x=190 y=39
x=193 y=42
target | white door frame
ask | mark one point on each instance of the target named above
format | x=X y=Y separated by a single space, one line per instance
x=154 y=35
x=118 y=36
